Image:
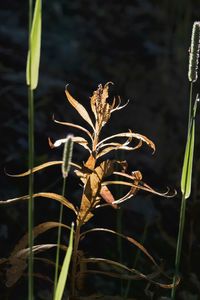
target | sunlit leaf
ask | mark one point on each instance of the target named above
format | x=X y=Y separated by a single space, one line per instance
x=65 y=267
x=42 y=167
x=118 y=107
x=141 y=187
x=52 y=196
x=117 y=146
x=129 y=135
x=107 y=196
x=76 y=139
x=33 y=60
x=186 y=177
x=75 y=126
x=79 y=107
x=92 y=188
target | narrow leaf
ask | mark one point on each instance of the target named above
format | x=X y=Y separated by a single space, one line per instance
x=186 y=177
x=129 y=135
x=37 y=230
x=41 y=167
x=65 y=267
x=124 y=268
x=33 y=60
x=52 y=196
x=80 y=108
x=75 y=126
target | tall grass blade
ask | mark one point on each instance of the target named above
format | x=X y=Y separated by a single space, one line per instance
x=32 y=70
x=186 y=180
x=33 y=59
x=65 y=267
x=67 y=158
x=186 y=177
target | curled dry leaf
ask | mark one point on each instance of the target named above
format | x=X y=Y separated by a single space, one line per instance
x=75 y=126
x=52 y=196
x=37 y=230
x=42 y=167
x=117 y=265
x=76 y=139
x=17 y=261
x=79 y=107
x=129 y=135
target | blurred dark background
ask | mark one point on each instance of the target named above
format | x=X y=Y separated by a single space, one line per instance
x=142 y=47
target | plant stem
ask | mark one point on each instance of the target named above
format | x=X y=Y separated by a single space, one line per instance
x=74 y=259
x=31 y=183
x=190 y=107
x=31 y=164
x=59 y=238
x=179 y=243
x=183 y=208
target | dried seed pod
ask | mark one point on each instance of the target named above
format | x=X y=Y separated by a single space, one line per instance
x=194 y=53
x=67 y=155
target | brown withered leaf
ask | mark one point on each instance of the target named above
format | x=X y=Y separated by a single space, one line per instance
x=76 y=139
x=107 y=196
x=124 y=269
x=129 y=135
x=98 y=98
x=17 y=262
x=52 y=196
x=93 y=188
x=100 y=107
x=75 y=126
x=79 y=107
x=37 y=230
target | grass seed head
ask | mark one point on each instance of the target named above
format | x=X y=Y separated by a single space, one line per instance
x=194 y=53
x=67 y=155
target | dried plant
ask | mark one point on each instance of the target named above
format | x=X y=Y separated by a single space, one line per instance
x=96 y=176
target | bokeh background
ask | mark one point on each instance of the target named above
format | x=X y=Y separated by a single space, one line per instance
x=142 y=47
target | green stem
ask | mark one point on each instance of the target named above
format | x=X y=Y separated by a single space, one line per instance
x=190 y=107
x=74 y=259
x=183 y=208
x=31 y=164
x=179 y=244
x=59 y=238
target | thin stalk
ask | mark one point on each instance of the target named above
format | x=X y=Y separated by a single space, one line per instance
x=179 y=244
x=120 y=156
x=31 y=164
x=74 y=260
x=190 y=107
x=59 y=238
x=183 y=209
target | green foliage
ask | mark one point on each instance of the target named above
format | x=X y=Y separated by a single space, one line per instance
x=65 y=267
x=186 y=178
x=33 y=59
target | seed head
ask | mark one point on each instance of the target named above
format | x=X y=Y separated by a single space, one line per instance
x=194 y=53
x=67 y=155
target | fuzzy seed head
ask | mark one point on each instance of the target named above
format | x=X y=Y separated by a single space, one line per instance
x=194 y=53
x=67 y=155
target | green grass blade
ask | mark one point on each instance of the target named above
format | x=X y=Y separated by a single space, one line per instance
x=33 y=60
x=65 y=267
x=186 y=177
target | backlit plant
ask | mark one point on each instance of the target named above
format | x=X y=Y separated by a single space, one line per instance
x=96 y=175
